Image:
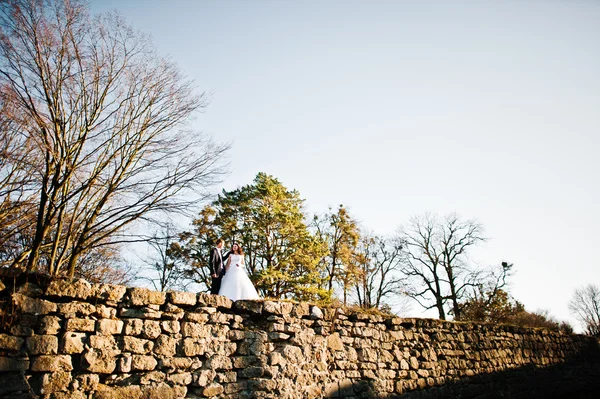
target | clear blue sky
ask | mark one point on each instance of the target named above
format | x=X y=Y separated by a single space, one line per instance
x=490 y=109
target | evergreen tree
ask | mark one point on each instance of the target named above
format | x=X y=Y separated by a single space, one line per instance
x=340 y=232
x=267 y=219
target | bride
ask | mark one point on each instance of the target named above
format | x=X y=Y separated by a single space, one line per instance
x=236 y=284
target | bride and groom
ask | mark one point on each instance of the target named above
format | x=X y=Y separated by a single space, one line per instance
x=228 y=272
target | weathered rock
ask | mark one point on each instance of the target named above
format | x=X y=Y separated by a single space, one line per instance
x=42 y=345
x=143 y=363
x=334 y=342
x=76 y=289
x=213 y=390
x=13 y=364
x=25 y=304
x=316 y=313
x=109 y=327
x=56 y=381
x=137 y=345
x=49 y=325
x=76 y=309
x=72 y=342
x=104 y=342
x=251 y=307
x=165 y=346
x=108 y=292
x=170 y=326
x=182 y=298
x=10 y=343
x=80 y=325
x=214 y=301
x=145 y=297
x=51 y=363
x=151 y=329
x=194 y=347
x=134 y=327
x=127 y=392
x=163 y=391
x=87 y=382
x=99 y=361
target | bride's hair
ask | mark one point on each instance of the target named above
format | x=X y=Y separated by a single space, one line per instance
x=240 y=251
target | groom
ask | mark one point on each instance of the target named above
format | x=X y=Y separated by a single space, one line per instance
x=216 y=264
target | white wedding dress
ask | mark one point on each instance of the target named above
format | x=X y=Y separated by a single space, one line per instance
x=236 y=284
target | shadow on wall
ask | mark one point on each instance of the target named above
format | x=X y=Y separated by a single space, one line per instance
x=578 y=379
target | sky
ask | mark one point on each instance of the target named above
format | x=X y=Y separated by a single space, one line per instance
x=489 y=109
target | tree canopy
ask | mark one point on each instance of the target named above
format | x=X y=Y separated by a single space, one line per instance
x=96 y=132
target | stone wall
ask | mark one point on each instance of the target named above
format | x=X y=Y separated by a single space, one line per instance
x=76 y=340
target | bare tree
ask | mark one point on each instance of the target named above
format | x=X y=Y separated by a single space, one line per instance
x=488 y=300
x=107 y=122
x=379 y=271
x=586 y=306
x=167 y=269
x=436 y=262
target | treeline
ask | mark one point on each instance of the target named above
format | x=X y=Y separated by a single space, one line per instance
x=330 y=257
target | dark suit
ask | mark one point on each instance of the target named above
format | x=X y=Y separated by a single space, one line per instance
x=216 y=263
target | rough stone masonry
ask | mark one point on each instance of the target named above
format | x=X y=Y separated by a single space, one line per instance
x=64 y=339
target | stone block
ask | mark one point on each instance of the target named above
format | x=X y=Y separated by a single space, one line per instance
x=272 y=307
x=184 y=379
x=170 y=326
x=253 y=372
x=124 y=364
x=42 y=345
x=300 y=310
x=86 y=382
x=134 y=327
x=76 y=309
x=151 y=329
x=195 y=330
x=165 y=346
x=143 y=363
x=109 y=327
x=248 y=306
x=152 y=377
x=99 y=361
x=21 y=331
x=214 y=301
x=163 y=391
x=12 y=383
x=196 y=317
x=57 y=381
x=49 y=325
x=219 y=363
x=334 y=342
x=145 y=297
x=180 y=363
x=87 y=325
x=13 y=364
x=137 y=345
x=10 y=343
x=213 y=390
x=72 y=342
x=105 y=312
x=126 y=392
x=103 y=342
x=51 y=363
x=70 y=395
x=25 y=304
x=76 y=289
x=183 y=298
x=193 y=347
x=108 y=292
